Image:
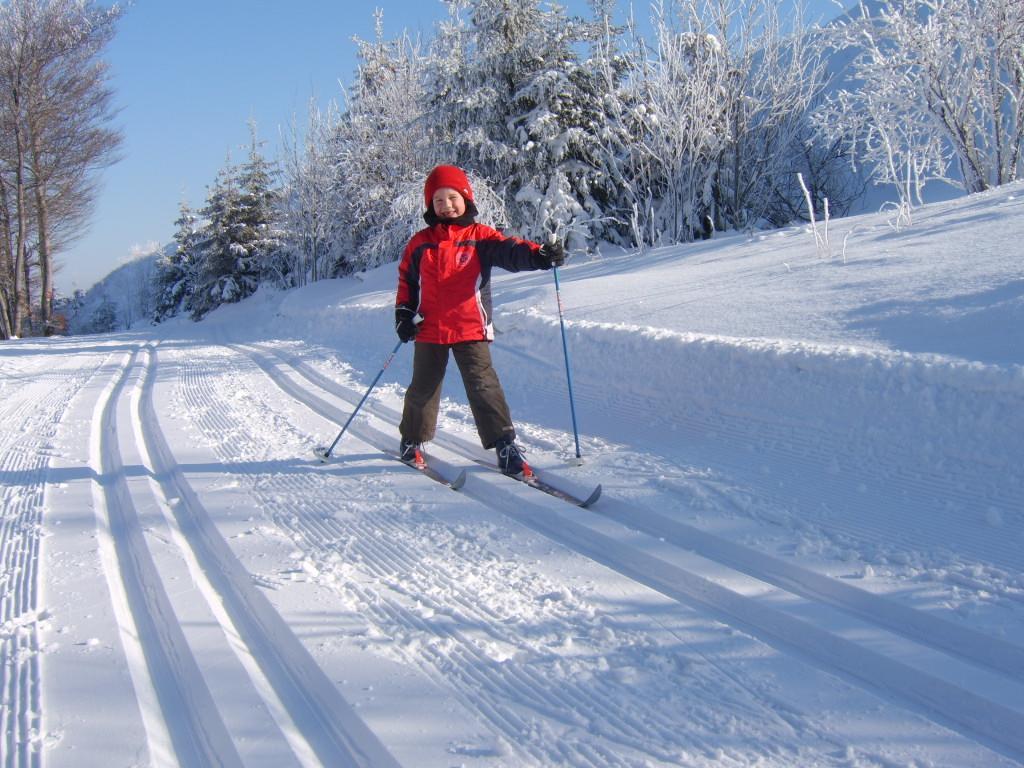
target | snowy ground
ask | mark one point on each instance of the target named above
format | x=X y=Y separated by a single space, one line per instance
x=809 y=551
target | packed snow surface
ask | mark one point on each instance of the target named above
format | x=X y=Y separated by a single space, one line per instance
x=808 y=552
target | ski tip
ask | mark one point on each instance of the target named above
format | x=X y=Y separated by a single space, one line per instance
x=594 y=496
x=459 y=481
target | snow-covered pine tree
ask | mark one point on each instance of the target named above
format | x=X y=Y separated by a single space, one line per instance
x=571 y=115
x=554 y=131
x=514 y=103
x=175 y=276
x=216 y=281
x=609 y=191
x=260 y=257
x=450 y=101
x=104 y=317
x=236 y=235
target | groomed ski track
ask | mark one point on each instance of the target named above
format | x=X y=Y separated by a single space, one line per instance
x=931 y=664
x=254 y=696
x=270 y=688
x=37 y=397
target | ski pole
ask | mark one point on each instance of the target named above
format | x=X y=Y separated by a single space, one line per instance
x=325 y=453
x=568 y=367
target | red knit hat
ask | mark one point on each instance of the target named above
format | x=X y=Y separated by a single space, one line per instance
x=447 y=176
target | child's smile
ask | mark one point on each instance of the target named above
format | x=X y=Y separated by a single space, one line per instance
x=448 y=203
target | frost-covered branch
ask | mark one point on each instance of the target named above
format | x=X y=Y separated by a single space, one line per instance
x=934 y=83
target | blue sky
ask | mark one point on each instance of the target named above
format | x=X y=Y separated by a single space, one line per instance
x=188 y=76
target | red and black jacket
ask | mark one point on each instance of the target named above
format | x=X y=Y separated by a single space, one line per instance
x=445 y=276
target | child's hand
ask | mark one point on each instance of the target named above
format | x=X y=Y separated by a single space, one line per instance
x=405 y=323
x=553 y=253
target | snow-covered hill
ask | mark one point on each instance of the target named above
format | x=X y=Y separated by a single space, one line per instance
x=121 y=299
x=808 y=551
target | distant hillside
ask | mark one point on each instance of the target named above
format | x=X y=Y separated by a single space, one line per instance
x=118 y=301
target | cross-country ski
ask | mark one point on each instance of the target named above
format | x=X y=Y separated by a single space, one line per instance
x=543 y=484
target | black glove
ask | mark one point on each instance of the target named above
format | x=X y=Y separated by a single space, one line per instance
x=405 y=323
x=553 y=253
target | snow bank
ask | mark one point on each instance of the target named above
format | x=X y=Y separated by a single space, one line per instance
x=918 y=405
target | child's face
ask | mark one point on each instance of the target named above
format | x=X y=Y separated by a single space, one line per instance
x=448 y=204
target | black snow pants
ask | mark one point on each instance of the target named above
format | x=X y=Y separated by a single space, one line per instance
x=486 y=397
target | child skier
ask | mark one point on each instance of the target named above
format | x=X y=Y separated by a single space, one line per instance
x=444 y=302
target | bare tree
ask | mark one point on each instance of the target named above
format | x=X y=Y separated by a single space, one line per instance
x=773 y=74
x=14 y=187
x=56 y=109
x=675 y=119
x=718 y=112
x=381 y=148
x=8 y=288
x=935 y=82
x=307 y=203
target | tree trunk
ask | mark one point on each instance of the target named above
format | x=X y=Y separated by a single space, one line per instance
x=45 y=255
x=19 y=291
x=45 y=270
x=5 y=328
x=25 y=298
x=6 y=261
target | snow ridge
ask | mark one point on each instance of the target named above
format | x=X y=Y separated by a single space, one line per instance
x=183 y=724
x=35 y=398
x=312 y=702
